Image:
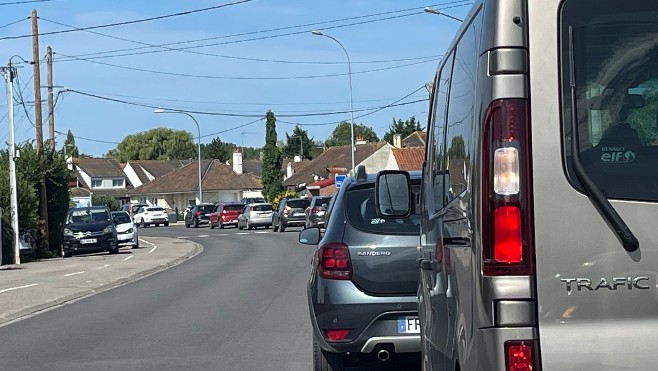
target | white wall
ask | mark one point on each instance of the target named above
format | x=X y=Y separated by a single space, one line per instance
x=382 y=159
x=132 y=175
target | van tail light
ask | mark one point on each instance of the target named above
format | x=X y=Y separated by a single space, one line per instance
x=507 y=238
x=333 y=261
x=521 y=355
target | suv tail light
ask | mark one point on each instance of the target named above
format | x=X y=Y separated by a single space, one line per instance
x=506 y=205
x=315 y=210
x=521 y=355
x=285 y=210
x=334 y=261
x=197 y=213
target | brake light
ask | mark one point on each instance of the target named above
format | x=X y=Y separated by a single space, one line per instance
x=285 y=210
x=336 y=335
x=251 y=208
x=334 y=261
x=197 y=213
x=315 y=210
x=520 y=355
x=507 y=208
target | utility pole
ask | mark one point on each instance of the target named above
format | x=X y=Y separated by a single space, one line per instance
x=9 y=74
x=42 y=223
x=51 y=113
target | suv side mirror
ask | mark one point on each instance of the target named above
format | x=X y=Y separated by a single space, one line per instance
x=310 y=236
x=393 y=194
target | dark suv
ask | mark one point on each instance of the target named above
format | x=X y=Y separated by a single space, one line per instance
x=316 y=211
x=199 y=214
x=364 y=281
x=290 y=212
x=89 y=229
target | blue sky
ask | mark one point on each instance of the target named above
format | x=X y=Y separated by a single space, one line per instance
x=406 y=39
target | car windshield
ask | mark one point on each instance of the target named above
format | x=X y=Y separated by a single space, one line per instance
x=615 y=57
x=362 y=214
x=233 y=207
x=261 y=208
x=298 y=204
x=121 y=217
x=87 y=216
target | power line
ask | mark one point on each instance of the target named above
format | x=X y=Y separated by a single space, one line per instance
x=235 y=128
x=24 y=2
x=448 y=5
x=13 y=23
x=131 y=22
x=88 y=139
x=166 y=48
x=178 y=74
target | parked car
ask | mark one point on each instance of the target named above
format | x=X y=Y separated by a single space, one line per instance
x=199 y=214
x=364 y=280
x=316 y=211
x=126 y=229
x=148 y=215
x=89 y=229
x=255 y=215
x=252 y=200
x=132 y=209
x=226 y=213
x=290 y=213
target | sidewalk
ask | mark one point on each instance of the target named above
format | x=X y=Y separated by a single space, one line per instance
x=36 y=286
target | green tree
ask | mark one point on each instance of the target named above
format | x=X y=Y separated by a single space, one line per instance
x=105 y=200
x=404 y=128
x=297 y=142
x=252 y=153
x=69 y=148
x=218 y=150
x=156 y=144
x=341 y=136
x=271 y=160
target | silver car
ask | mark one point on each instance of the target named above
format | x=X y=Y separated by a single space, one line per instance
x=538 y=246
x=255 y=215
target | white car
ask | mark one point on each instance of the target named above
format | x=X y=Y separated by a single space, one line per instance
x=148 y=215
x=126 y=229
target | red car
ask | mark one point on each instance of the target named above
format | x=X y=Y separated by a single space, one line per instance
x=226 y=213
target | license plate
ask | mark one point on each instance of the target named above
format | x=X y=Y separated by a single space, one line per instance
x=88 y=240
x=409 y=325
x=234 y=221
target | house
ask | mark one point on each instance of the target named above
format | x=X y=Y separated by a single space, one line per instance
x=291 y=166
x=220 y=182
x=409 y=158
x=416 y=139
x=100 y=176
x=143 y=171
x=251 y=166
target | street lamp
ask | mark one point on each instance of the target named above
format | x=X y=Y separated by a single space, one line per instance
x=349 y=73
x=198 y=143
x=438 y=12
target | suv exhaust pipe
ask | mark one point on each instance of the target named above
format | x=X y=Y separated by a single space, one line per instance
x=383 y=355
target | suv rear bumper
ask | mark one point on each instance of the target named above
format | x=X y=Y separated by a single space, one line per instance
x=372 y=320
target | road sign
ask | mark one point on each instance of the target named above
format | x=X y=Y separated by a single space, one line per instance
x=339 y=179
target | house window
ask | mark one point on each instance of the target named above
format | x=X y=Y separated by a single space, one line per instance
x=96 y=183
x=117 y=183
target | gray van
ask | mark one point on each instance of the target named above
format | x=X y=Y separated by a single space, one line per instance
x=539 y=200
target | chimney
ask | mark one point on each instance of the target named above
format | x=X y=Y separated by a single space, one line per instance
x=237 y=161
x=297 y=159
x=289 y=170
x=397 y=140
x=359 y=140
x=69 y=163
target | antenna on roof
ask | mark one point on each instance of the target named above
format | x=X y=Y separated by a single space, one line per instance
x=361 y=174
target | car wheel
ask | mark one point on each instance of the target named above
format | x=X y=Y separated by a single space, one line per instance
x=68 y=254
x=282 y=227
x=221 y=226
x=249 y=227
x=136 y=245
x=196 y=224
x=143 y=224
x=212 y=226
x=187 y=225
x=274 y=227
x=326 y=361
x=166 y=224
x=267 y=227
x=115 y=250
x=239 y=227
x=157 y=225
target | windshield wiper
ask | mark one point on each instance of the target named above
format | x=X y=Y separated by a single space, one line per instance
x=627 y=238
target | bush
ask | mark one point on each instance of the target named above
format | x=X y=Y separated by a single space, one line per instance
x=105 y=200
x=285 y=194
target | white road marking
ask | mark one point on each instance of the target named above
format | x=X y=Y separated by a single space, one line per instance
x=146 y=242
x=127 y=258
x=242 y=233
x=203 y=236
x=73 y=274
x=105 y=266
x=183 y=238
x=18 y=287
x=153 y=249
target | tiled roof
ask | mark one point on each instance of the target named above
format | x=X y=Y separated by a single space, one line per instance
x=333 y=157
x=216 y=176
x=321 y=183
x=416 y=139
x=410 y=158
x=296 y=166
x=157 y=168
x=251 y=166
x=99 y=167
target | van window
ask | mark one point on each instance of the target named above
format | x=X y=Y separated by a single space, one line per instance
x=441 y=92
x=616 y=71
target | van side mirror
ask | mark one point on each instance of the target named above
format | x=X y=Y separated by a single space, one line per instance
x=309 y=236
x=393 y=194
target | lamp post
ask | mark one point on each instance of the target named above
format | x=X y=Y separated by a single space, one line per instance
x=349 y=73
x=198 y=143
x=438 y=12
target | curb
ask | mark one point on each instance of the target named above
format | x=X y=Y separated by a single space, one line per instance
x=57 y=302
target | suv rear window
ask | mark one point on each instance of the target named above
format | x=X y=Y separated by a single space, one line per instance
x=233 y=207
x=154 y=209
x=206 y=208
x=362 y=214
x=261 y=208
x=616 y=71
x=298 y=204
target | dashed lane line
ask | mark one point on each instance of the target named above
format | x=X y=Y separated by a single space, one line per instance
x=18 y=287
x=127 y=258
x=73 y=274
x=153 y=249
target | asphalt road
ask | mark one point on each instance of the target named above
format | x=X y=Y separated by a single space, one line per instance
x=239 y=305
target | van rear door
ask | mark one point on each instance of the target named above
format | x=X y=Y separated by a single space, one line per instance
x=597 y=300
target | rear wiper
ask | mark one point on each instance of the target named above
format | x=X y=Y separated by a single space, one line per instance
x=627 y=238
